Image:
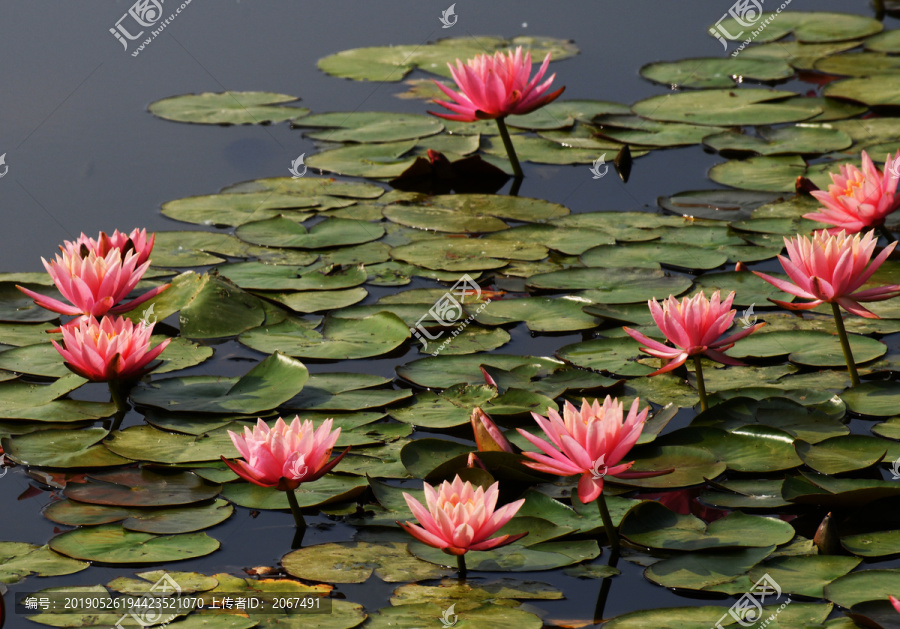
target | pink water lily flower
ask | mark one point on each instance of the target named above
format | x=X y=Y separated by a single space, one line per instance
x=694 y=326
x=831 y=269
x=496 y=86
x=93 y=283
x=858 y=199
x=488 y=436
x=112 y=349
x=460 y=518
x=591 y=442
x=136 y=241
x=285 y=456
x=895 y=602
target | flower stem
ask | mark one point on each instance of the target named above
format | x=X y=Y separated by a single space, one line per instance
x=461 y=565
x=117 y=394
x=295 y=509
x=884 y=231
x=510 y=150
x=701 y=386
x=845 y=344
x=611 y=532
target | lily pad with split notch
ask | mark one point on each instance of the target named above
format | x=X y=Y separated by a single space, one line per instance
x=724 y=107
x=711 y=72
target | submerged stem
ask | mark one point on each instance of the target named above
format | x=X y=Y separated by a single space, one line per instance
x=120 y=398
x=701 y=386
x=510 y=150
x=611 y=532
x=845 y=344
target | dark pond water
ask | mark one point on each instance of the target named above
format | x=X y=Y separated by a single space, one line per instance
x=85 y=155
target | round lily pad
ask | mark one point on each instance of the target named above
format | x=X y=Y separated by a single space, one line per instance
x=796 y=139
x=110 y=543
x=818 y=349
x=865 y=585
x=332 y=232
x=879 y=90
x=725 y=107
x=340 y=338
x=354 y=562
x=651 y=255
x=807 y=26
x=227 y=108
x=62 y=448
x=875 y=399
x=132 y=487
x=370 y=126
x=467 y=254
x=622 y=286
x=273 y=381
x=653 y=525
x=709 y=72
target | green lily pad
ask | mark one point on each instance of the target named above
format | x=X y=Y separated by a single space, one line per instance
x=775 y=174
x=467 y=254
x=865 y=585
x=540 y=314
x=843 y=454
x=227 y=108
x=622 y=286
x=259 y=276
x=451 y=407
x=149 y=444
x=613 y=355
x=805 y=575
x=543 y=151
x=21 y=400
x=472 y=212
x=110 y=543
x=691 y=466
x=393 y=63
x=653 y=525
x=445 y=371
x=157 y=521
x=811 y=424
x=724 y=107
x=329 y=489
x=876 y=399
x=786 y=140
x=748 y=449
x=332 y=232
x=858 y=64
x=807 y=27
x=650 y=255
x=62 y=448
x=879 y=90
x=133 y=487
x=748 y=288
x=709 y=72
x=472 y=339
x=800 y=55
x=17 y=307
x=818 y=349
x=745 y=494
x=695 y=571
x=874 y=544
x=386 y=160
x=634 y=130
x=354 y=562
x=318 y=300
x=20 y=560
x=721 y=205
x=516 y=558
x=370 y=126
x=273 y=381
x=340 y=338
